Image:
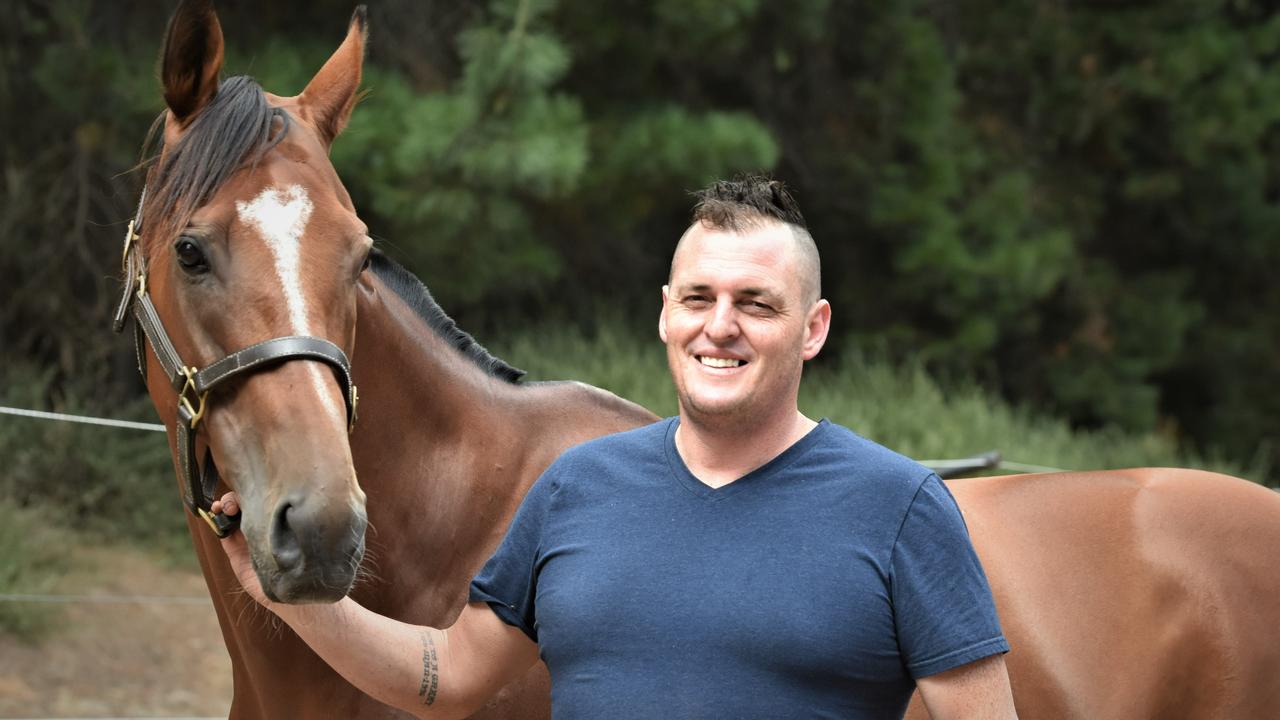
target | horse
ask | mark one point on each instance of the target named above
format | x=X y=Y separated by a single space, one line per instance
x=263 y=308
x=246 y=235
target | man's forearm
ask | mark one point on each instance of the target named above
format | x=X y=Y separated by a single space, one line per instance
x=397 y=663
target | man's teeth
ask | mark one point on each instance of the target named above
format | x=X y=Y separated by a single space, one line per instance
x=719 y=362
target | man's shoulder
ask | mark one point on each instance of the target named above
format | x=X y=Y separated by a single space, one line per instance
x=844 y=445
x=847 y=459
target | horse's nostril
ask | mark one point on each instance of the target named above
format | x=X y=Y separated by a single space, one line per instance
x=285 y=546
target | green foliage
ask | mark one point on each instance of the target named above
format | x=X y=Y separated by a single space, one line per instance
x=613 y=355
x=1076 y=205
x=108 y=482
x=904 y=408
x=671 y=144
x=32 y=558
x=457 y=176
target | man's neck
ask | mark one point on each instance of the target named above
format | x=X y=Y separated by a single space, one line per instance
x=718 y=453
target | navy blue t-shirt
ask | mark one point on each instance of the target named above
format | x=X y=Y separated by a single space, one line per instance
x=818 y=585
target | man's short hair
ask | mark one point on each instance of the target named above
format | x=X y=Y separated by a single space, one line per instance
x=743 y=202
x=749 y=202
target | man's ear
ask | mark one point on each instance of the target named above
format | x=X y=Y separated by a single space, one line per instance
x=332 y=93
x=817 y=325
x=191 y=59
x=662 y=314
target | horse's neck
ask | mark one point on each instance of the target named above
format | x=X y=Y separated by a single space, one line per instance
x=440 y=450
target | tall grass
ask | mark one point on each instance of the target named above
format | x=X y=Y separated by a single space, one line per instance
x=34 y=553
x=108 y=483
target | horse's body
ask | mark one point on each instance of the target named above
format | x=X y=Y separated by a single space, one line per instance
x=1134 y=594
x=1151 y=593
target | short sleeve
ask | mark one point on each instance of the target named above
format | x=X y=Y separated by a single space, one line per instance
x=943 y=610
x=508 y=582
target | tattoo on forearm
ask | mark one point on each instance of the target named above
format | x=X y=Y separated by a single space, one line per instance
x=430 y=670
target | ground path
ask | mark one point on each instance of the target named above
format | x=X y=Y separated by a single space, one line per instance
x=121 y=660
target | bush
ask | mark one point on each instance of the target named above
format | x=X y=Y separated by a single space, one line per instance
x=32 y=557
x=108 y=482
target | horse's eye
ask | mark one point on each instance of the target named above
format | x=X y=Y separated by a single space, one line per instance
x=190 y=256
x=367 y=259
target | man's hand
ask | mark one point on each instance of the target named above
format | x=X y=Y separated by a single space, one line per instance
x=238 y=551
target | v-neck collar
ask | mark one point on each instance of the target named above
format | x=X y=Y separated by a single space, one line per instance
x=683 y=476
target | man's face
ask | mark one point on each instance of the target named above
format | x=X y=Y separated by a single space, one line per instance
x=737 y=324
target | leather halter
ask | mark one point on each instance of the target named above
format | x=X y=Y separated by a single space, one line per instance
x=194 y=385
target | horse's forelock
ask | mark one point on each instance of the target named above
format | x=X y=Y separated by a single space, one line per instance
x=234 y=129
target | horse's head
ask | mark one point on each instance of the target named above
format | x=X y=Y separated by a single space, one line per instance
x=248 y=235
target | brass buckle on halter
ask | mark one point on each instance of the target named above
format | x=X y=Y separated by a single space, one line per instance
x=129 y=237
x=196 y=414
x=204 y=515
x=142 y=284
x=355 y=401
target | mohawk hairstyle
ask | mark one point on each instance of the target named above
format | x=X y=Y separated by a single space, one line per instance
x=741 y=203
x=750 y=202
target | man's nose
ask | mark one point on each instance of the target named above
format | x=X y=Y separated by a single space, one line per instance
x=723 y=323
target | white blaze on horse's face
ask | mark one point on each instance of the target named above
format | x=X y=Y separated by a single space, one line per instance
x=280 y=216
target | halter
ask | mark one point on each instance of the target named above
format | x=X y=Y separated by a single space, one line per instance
x=194 y=385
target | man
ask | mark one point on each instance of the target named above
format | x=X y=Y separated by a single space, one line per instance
x=740 y=560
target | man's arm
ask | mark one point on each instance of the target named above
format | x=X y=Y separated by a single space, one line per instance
x=425 y=671
x=978 y=690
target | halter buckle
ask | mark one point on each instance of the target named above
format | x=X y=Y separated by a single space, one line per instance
x=129 y=237
x=195 y=413
x=213 y=525
x=355 y=401
x=142 y=284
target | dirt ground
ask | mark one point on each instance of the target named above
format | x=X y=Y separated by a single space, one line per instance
x=121 y=660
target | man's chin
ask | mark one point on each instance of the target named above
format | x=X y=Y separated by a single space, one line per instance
x=714 y=411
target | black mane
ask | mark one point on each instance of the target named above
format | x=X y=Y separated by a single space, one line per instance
x=412 y=291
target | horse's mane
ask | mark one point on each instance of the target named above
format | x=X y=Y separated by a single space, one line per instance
x=234 y=128
x=412 y=291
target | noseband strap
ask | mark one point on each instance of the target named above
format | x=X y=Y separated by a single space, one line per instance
x=194 y=385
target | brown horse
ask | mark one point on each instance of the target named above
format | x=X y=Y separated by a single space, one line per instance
x=247 y=234
x=1126 y=594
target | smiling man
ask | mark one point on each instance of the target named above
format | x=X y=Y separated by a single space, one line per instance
x=740 y=560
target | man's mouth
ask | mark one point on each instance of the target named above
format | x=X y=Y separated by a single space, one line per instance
x=716 y=362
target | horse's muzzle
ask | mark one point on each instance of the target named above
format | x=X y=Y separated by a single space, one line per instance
x=315 y=550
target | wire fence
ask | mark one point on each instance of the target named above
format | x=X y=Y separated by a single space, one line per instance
x=991 y=460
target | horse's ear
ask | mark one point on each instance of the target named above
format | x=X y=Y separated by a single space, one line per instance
x=191 y=59
x=332 y=93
